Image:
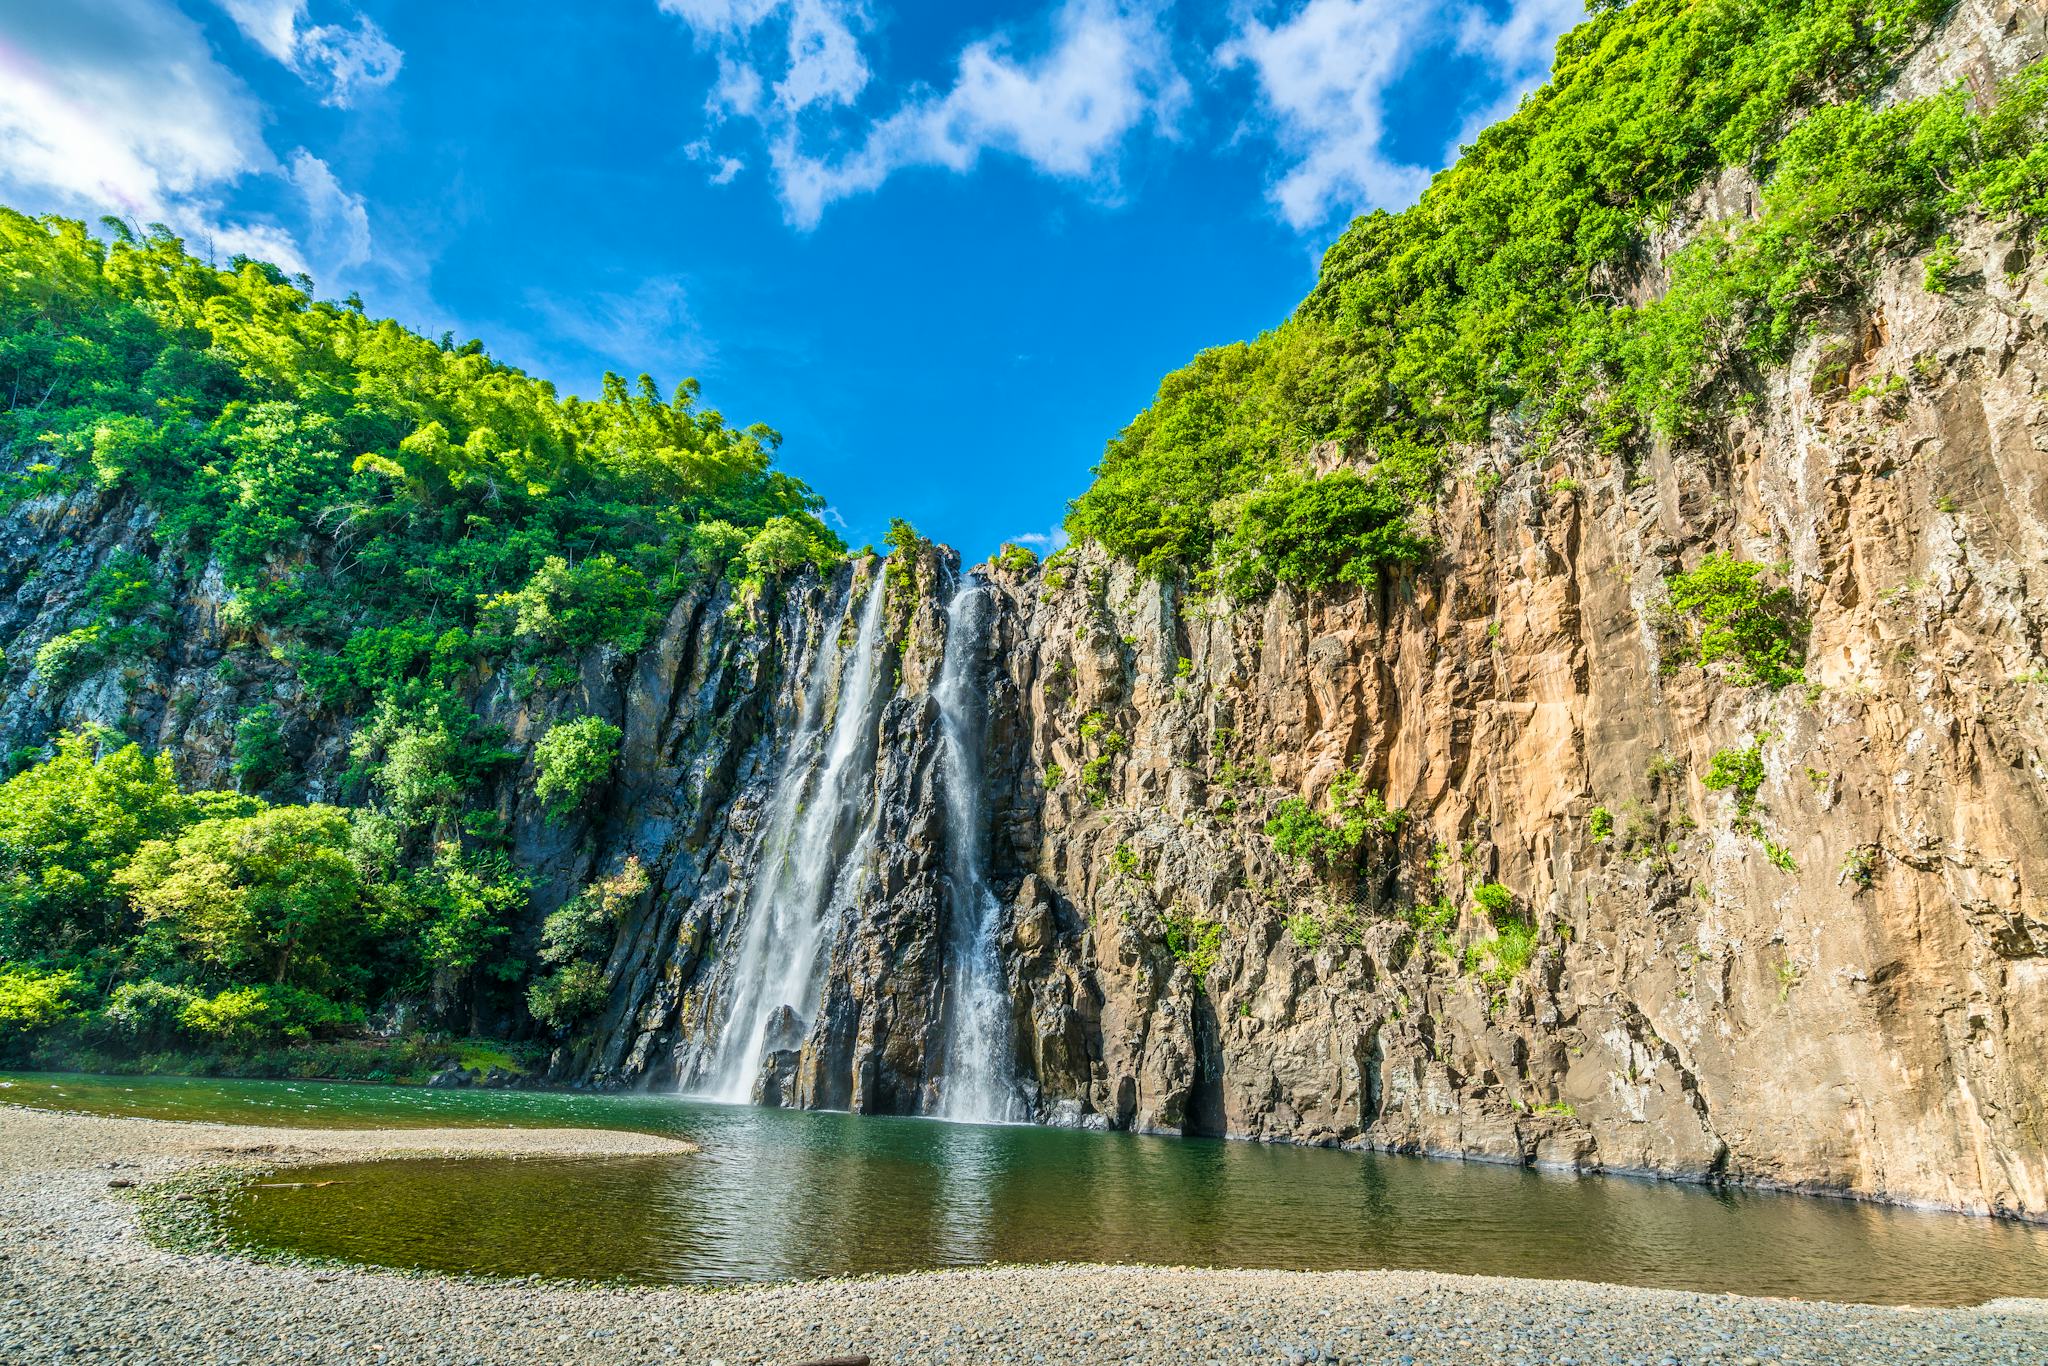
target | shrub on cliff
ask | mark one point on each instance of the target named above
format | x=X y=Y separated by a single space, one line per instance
x=1336 y=841
x=572 y=759
x=574 y=941
x=1727 y=611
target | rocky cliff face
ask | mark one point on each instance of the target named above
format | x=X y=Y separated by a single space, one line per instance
x=1851 y=994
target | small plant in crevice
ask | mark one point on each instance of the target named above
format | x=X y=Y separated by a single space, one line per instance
x=1493 y=898
x=1501 y=957
x=1097 y=734
x=1600 y=824
x=1942 y=265
x=1334 y=840
x=1195 y=941
x=1860 y=868
x=1740 y=771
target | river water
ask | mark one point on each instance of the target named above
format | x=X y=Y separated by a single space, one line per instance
x=780 y=1194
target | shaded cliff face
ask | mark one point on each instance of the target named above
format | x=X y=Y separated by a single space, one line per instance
x=1864 y=1010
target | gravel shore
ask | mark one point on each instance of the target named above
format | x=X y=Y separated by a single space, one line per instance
x=78 y=1280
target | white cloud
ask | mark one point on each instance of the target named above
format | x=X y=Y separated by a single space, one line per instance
x=1046 y=542
x=825 y=65
x=345 y=60
x=1322 y=76
x=722 y=16
x=1519 y=48
x=270 y=24
x=118 y=106
x=738 y=90
x=1323 y=73
x=340 y=223
x=820 y=53
x=1106 y=70
x=724 y=168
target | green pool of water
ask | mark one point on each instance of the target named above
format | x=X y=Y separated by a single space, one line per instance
x=775 y=1195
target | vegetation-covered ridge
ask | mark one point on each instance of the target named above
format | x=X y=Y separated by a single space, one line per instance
x=391 y=508
x=1501 y=304
x=385 y=523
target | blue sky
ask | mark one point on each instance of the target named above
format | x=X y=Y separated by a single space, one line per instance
x=946 y=249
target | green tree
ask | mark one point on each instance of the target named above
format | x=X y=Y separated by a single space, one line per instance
x=32 y=1000
x=468 y=903
x=271 y=897
x=261 y=755
x=67 y=827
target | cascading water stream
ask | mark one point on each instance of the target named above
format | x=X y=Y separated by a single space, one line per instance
x=978 y=1081
x=820 y=807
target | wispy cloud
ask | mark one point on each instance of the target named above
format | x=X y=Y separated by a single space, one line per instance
x=648 y=328
x=343 y=60
x=1323 y=72
x=339 y=222
x=724 y=167
x=1045 y=542
x=1518 y=48
x=1104 y=69
x=1322 y=76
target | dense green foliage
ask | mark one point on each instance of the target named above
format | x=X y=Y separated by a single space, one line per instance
x=394 y=519
x=155 y=918
x=1495 y=306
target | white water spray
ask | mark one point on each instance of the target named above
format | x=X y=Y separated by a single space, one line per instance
x=978 y=1081
x=820 y=808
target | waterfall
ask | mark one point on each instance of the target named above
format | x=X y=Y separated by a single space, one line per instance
x=977 y=1081
x=821 y=806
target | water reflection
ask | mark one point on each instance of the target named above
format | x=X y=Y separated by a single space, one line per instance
x=774 y=1195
